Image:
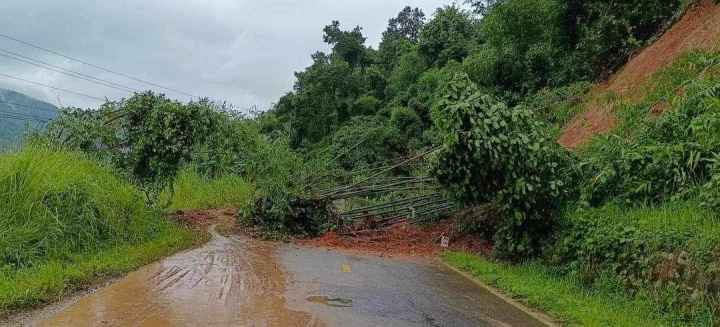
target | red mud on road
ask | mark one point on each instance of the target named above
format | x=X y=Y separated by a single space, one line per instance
x=406 y=240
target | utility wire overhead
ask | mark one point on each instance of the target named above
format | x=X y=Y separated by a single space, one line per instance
x=20 y=114
x=65 y=71
x=52 y=87
x=37 y=120
x=97 y=67
x=23 y=118
x=29 y=106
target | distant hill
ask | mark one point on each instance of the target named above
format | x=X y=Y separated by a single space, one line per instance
x=18 y=111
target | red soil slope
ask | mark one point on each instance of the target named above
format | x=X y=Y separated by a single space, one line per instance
x=698 y=29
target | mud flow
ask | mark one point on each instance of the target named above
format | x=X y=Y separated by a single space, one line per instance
x=228 y=282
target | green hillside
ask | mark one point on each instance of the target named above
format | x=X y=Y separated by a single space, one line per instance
x=18 y=112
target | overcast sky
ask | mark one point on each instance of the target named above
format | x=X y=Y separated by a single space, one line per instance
x=241 y=51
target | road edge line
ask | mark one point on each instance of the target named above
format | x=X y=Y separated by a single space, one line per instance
x=543 y=318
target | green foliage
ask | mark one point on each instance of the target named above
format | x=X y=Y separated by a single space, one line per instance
x=495 y=153
x=321 y=101
x=522 y=51
x=558 y=105
x=512 y=50
x=606 y=33
x=349 y=45
x=372 y=141
x=281 y=203
x=530 y=45
x=56 y=204
x=230 y=143
x=365 y=106
x=649 y=193
x=450 y=35
x=147 y=137
x=406 y=122
x=410 y=67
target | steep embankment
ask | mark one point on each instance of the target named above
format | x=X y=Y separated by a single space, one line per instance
x=698 y=29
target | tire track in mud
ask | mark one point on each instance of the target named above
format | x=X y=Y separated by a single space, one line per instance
x=229 y=281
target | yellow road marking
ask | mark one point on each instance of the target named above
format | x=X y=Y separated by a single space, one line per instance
x=346 y=269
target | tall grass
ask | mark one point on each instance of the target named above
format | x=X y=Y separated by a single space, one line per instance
x=57 y=203
x=65 y=220
x=194 y=191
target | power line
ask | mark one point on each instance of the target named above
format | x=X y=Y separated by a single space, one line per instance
x=28 y=106
x=37 y=120
x=95 y=66
x=52 y=87
x=68 y=72
x=21 y=115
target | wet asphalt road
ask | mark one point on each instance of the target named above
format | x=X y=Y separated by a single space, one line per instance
x=236 y=281
x=394 y=293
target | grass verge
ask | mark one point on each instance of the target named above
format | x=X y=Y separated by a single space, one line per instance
x=564 y=298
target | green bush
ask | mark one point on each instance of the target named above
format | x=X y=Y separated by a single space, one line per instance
x=495 y=153
x=147 y=138
x=365 y=106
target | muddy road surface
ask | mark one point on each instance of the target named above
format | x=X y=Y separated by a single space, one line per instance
x=238 y=281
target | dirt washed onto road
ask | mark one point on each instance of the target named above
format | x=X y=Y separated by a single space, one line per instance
x=229 y=281
x=404 y=241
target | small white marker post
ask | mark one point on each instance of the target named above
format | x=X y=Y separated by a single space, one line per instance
x=444 y=241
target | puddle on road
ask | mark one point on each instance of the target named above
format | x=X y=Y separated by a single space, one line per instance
x=226 y=282
x=330 y=301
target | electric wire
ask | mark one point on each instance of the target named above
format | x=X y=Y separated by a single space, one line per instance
x=29 y=106
x=96 y=66
x=68 y=72
x=52 y=87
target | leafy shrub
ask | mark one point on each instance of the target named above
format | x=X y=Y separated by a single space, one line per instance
x=364 y=142
x=558 y=105
x=495 y=153
x=406 y=122
x=365 y=106
x=450 y=35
